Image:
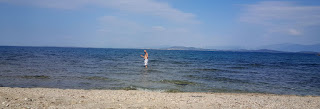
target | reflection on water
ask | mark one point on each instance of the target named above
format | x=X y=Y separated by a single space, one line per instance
x=144 y=78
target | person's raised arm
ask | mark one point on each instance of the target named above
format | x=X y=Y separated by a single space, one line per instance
x=142 y=56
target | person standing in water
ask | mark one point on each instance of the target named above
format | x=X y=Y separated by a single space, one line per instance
x=145 y=57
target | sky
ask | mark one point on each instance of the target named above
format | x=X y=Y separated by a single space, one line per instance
x=245 y=24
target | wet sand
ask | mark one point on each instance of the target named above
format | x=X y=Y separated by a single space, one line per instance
x=75 y=98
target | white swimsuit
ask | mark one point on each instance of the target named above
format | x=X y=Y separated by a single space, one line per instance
x=145 y=61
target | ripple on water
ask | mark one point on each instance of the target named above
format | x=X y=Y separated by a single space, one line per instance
x=216 y=78
x=238 y=67
x=178 y=82
x=209 y=69
x=154 y=71
x=98 y=78
x=35 y=77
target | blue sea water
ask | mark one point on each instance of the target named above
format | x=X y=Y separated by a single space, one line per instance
x=189 y=71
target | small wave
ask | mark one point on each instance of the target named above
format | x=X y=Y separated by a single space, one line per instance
x=97 y=78
x=155 y=61
x=36 y=77
x=311 y=64
x=3 y=63
x=158 y=90
x=225 y=79
x=6 y=71
x=11 y=59
x=213 y=78
x=254 y=65
x=209 y=69
x=238 y=67
x=178 y=82
x=203 y=77
x=178 y=62
x=154 y=71
x=253 y=72
x=84 y=83
x=129 y=88
x=150 y=90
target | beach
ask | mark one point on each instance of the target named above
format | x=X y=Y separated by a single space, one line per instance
x=79 y=98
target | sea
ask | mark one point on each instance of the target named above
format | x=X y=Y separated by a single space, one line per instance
x=168 y=70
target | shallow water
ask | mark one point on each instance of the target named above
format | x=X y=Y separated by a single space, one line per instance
x=192 y=71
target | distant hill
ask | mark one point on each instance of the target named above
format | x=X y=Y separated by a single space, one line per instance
x=183 y=48
x=201 y=49
x=239 y=50
x=293 y=47
x=224 y=47
x=262 y=50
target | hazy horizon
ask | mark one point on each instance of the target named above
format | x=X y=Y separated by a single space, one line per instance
x=159 y=23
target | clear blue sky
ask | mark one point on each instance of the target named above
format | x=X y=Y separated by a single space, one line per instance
x=156 y=23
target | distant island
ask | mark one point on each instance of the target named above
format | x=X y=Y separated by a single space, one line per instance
x=238 y=50
x=183 y=48
x=293 y=47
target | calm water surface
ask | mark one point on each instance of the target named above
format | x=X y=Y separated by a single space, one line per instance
x=191 y=71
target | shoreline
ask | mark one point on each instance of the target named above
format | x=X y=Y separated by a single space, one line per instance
x=80 y=98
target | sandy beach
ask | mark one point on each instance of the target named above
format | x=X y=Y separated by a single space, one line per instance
x=75 y=98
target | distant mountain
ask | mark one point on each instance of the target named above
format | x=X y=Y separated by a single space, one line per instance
x=224 y=47
x=183 y=48
x=261 y=50
x=307 y=49
x=238 y=50
x=293 y=47
x=156 y=47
